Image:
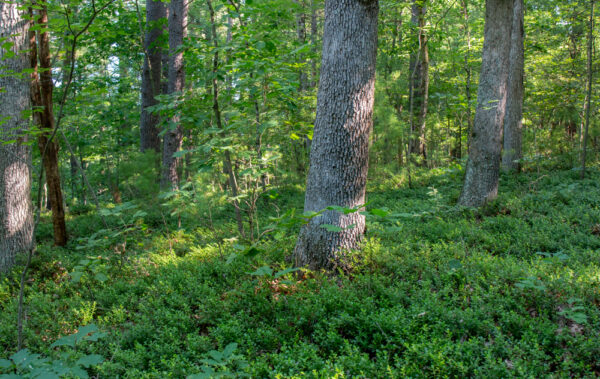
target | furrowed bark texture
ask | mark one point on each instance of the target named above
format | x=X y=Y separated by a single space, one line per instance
x=16 y=215
x=41 y=95
x=178 y=11
x=513 y=121
x=151 y=75
x=483 y=165
x=339 y=152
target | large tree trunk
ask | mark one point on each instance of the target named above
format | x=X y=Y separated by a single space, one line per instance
x=339 y=154
x=178 y=11
x=483 y=165
x=41 y=95
x=16 y=216
x=151 y=75
x=419 y=83
x=513 y=121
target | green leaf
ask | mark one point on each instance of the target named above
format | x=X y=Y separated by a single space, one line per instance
x=90 y=360
x=229 y=349
x=455 y=264
x=101 y=277
x=379 y=212
x=286 y=271
x=5 y=363
x=331 y=228
x=265 y=270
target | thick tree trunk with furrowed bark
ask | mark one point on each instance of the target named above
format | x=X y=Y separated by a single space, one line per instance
x=178 y=12
x=483 y=165
x=513 y=121
x=16 y=215
x=151 y=75
x=339 y=153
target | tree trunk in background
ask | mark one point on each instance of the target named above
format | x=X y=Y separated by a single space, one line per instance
x=513 y=121
x=178 y=12
x=227 y=165
x=590 y=49
x=301 y=33
x=41 y=95
x=313 y=42
x=419 y=83
x=467 y=69
x=16 y=215
x=483 y=165
x=151 y=75
x=339 y=154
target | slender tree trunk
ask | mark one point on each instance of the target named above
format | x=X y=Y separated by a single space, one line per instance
x=513 y=121
x=41 y=95
x=589 y=89
x=467 y=69
x=178 y=11
x=313 y=42
x=483 y=165
x=339 y=154
x=419 y=83
x=16 y=214
x=227 y=164
x=151 y=75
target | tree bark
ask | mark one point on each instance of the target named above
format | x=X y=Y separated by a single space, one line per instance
x=41 y=96
x=313 y=42
x=590 y=73
x=16 y=214
x=339 y=154
x=467 y=68
x=483 y=165
x=513 y=121
x=419 y=83
x=151 y=75
x=178 y=14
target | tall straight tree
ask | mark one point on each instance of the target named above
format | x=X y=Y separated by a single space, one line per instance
x=41 y=96
x=418 y=81
x=590 y=76
x=339 y=153
x=483 y=164
x=178 y=14
x=513 y=121
x=16 y=216
x=151 y=74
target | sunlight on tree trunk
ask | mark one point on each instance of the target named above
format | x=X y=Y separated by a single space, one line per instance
x=339 y=152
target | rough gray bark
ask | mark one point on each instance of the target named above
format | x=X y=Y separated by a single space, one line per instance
x=151 y=75
x=419 y=83
x=483 y=165
x=16 y=215
x=178 y=12
x=513 y=121
x=339 y=153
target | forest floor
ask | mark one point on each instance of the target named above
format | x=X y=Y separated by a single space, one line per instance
x=510 y=290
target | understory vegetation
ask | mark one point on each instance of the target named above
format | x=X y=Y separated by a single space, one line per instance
x=507 y=290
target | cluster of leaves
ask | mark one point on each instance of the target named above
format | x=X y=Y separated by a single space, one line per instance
x=67 y=362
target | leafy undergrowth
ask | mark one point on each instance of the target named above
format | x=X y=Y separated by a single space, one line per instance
x=510 y=290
